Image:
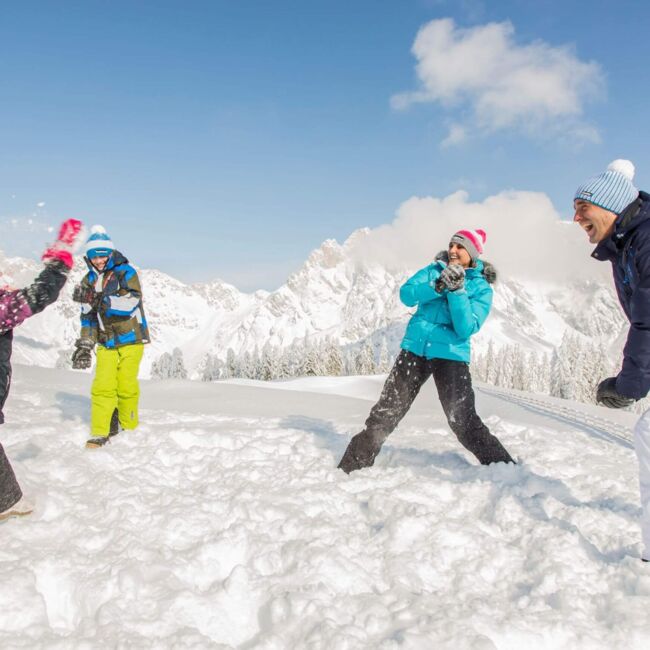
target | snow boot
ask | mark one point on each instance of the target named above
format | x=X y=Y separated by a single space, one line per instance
x=100 y=441
x=21 y=508
x=361 y=452
x=97 y=441
x=115 y=424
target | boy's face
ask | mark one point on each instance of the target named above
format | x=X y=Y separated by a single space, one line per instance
x=99 y=262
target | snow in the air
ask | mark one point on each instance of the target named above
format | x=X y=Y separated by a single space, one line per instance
x=222 y=522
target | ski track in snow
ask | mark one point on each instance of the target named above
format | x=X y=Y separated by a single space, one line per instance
x=222 y=522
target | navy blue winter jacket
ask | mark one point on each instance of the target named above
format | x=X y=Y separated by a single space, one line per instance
x=628 y=249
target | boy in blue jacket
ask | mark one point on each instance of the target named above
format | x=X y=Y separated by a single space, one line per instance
x=453 y=298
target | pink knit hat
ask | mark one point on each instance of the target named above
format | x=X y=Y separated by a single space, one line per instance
x=471 y=240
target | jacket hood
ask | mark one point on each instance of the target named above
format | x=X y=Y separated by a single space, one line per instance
x=635 y=213
x=486 y=268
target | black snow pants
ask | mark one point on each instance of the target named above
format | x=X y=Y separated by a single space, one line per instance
x=43 y=291
x=407 y=376
x=10 y=491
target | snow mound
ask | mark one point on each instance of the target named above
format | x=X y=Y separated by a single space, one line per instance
x=223 y=522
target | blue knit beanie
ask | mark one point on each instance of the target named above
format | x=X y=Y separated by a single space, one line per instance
x=612 y=190
x=99 y=244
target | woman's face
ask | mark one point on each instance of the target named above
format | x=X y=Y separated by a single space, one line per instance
x=458 y=255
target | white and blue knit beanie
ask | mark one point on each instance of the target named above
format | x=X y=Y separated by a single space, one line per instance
x=612 y=190
x=99 y=244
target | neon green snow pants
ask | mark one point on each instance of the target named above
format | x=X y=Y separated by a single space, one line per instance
x=115 y=386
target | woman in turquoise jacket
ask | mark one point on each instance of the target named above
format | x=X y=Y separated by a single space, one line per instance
x=453 y=298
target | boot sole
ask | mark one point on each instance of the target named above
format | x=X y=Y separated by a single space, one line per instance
x=95 y=445
x=15 y=513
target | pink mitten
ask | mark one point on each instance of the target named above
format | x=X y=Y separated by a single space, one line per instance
x=65 y=243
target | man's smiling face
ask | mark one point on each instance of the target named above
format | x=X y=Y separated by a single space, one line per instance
x=597 y=222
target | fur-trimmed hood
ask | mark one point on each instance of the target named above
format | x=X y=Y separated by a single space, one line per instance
x=489 y=270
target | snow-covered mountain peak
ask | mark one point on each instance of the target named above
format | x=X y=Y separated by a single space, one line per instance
x=338 y=292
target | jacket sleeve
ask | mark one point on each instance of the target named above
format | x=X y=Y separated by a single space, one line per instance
x=14 y=309
x=468 y=314
x=89 y=321
x=46 y=287
x=634 y=378
x=128 y=296
x=420 y=287
x=16 y=306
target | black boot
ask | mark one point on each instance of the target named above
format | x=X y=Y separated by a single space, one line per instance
x=115 y=424
x=361 y=452
x=97 y=441
x=114 y=429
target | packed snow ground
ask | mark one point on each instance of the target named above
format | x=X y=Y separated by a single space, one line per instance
x=222 y=522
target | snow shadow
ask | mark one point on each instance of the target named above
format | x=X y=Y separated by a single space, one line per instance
x=531 y=491
x=326 y=434
x=32 y=343
x=73 y=406
x=528 y=488
x=28 y=451
x=421 y=458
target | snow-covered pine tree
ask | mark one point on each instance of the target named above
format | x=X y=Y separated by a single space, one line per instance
x=491 y=370
x=230 y=366
x=285 y=362
x=269 y=363
x=365 y=360
x=178 y=365
x=563 y=367
x=311 y=363
x=211 y=368
x=255 y=364
x=544 y=379
x=333 y=358
x=384 y=358
x=519 y=379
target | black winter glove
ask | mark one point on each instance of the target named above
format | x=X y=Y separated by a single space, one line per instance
x=47 y=285
x=82 y=357
x=83 y=294
x=87 y=295
x=452 y=278
x=607 y=395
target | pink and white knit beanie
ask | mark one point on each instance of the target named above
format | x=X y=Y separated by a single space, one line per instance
x=471 y=240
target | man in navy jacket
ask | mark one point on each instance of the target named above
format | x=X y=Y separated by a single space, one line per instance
x=616 y=217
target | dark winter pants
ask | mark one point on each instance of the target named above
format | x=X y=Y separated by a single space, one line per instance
x=407 y=376
x=10 y=491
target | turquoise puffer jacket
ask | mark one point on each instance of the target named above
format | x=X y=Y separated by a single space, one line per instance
x=444 y=322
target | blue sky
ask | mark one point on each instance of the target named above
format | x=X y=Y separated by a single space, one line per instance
x=228 y=138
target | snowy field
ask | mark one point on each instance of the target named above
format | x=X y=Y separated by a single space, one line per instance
x=224 y=523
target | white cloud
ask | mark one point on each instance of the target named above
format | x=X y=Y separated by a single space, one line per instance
x=457 y=134
x=525 y=236
x=534 y=87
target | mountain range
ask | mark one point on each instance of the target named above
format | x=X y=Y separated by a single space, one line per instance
x=334 y=293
